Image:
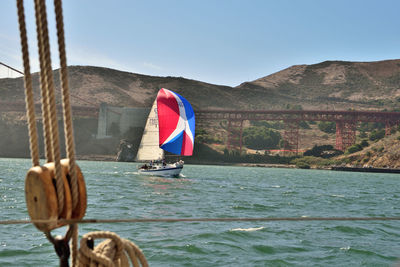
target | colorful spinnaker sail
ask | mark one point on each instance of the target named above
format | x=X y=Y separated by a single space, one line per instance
x=176 y=123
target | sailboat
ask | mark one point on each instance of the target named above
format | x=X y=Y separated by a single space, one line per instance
x=170 y=127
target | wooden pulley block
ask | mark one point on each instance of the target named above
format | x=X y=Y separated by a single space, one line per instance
x=79 y=211
x=41 y=195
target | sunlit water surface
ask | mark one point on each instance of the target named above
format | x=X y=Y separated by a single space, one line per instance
x=116 y=191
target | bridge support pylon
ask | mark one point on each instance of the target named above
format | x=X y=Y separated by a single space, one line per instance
x=291 y=136
x=235 y=134
x=345 y=134
x=388 y=127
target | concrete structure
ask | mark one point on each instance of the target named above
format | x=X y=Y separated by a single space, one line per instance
x=119 y=120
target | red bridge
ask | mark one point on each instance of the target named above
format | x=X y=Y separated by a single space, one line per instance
x=346 y=122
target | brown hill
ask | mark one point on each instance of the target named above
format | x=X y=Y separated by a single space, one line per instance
x=384 y=153
x=94 y=85
x=330 y=84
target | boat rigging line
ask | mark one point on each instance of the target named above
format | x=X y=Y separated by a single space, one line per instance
x=11 y=68
x=172 y=220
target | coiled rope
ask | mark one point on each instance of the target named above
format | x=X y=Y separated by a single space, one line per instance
x=114 y=251
x=52 y=146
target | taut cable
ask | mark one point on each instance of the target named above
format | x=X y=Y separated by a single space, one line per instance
x=237 y=219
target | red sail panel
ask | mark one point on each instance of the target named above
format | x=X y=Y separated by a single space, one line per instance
x=168 y=114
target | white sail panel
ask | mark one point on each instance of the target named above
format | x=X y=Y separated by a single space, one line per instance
x=149 y=148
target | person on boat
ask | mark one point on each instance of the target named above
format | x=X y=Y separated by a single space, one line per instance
x=163 y=163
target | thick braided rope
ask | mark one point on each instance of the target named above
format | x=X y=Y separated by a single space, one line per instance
x=43 y=86
x=111 y=252
x=68 y=127
x=30 y=107
x=55 y=143
x=135 y=253
x=98 y=257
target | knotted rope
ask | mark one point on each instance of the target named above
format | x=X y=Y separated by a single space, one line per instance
x=114 y=251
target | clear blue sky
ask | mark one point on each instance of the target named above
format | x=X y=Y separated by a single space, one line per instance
x=217 y=41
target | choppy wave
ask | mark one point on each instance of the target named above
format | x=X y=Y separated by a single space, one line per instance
x=115 y=190
x=251 y=229
x=360 y=231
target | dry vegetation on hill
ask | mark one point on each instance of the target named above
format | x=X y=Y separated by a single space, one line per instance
x=384 y=153
x=91 y=86
x=335 y=85
x=328 y=85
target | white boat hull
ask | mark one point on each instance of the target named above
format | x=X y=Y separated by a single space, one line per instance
x=169 y=170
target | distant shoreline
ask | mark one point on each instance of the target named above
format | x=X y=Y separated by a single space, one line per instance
x=369 y=169
x=111 y=158
x=97 y=157
x=263 y=165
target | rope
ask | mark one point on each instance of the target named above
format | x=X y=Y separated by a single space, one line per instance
x=46 y=125
x=114 y=251
x=172 y=220
x=68 y=126
x=74 y=245
x=48 y=105
x=30 y=106
x=43 y=80
x=48 y=94
x=111 y=252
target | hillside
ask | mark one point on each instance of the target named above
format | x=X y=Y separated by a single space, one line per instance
x=91 y=86
x=327 y=85
x=382 y=154
x=333 y=85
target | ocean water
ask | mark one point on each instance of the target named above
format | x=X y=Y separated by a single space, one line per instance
x=116 y=191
